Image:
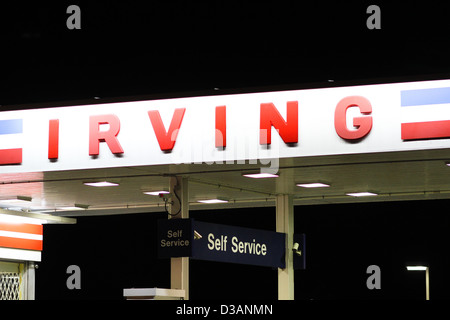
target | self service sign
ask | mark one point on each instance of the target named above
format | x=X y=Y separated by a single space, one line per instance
x=239 y=245
x=223 y=243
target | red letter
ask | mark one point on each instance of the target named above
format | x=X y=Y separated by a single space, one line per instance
x=167 y=139
x=270 y=116
x=110 y=136
x=221 y=127
x=363 y=124
x=53 y=139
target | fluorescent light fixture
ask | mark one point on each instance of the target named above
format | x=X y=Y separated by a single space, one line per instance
x=69 y=208
x=101 y=184
x=7 y=218
x=416 y=268
x=260 y=175
x=76 y=206
x=156 y=193
x=361 y=194
x=313 y=185
x=210 y=201
x=427 y=278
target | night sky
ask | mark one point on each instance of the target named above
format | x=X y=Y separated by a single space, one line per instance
x=175 y=48
x=116 y=252
x=180 y=47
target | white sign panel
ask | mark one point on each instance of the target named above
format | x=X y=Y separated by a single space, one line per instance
x=214 y=129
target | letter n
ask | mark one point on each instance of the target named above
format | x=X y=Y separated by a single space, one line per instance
x=269 y=116
x=109 y=136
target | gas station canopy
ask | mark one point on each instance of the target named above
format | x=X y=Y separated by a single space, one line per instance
x=384 y=142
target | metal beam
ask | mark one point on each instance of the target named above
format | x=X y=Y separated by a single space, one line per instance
x=42 y=216
x=179 y=209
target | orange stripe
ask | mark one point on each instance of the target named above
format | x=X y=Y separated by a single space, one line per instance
x=21 y=227
x=21 y=243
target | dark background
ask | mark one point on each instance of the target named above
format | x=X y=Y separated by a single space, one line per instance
x=172 y=48
x=117 y=252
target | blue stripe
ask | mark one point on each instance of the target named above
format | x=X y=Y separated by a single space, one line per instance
x=425 y=96
x=11 y=126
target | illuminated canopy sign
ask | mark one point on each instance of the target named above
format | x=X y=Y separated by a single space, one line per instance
x=229 y=128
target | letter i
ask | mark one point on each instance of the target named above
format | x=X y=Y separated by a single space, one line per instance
x=221 y=127
x=53 y=139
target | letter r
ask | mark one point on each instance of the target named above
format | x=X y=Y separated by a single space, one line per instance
x=109 y=136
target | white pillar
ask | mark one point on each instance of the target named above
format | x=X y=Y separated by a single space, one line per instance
x=179 y=267
x=29 y=279
x=285 y=224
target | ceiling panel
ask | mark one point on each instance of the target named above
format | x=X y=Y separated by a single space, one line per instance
x=394 y=176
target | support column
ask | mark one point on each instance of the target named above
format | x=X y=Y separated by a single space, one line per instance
x=285 y=224
x=179 y=267
x=30 y=276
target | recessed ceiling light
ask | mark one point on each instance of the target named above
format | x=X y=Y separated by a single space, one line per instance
x=260 y=175
x=156 y=193
x=313 y=185
x=362 y=194
x=101 y=184
x=210 y=201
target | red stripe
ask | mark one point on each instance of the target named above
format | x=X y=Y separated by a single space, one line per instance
x=21 y=227
x=426 y=130
x=53 y=139
x=21 y=243
x=10 y=156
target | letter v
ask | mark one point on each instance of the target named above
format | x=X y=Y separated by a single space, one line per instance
x=166 y=139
